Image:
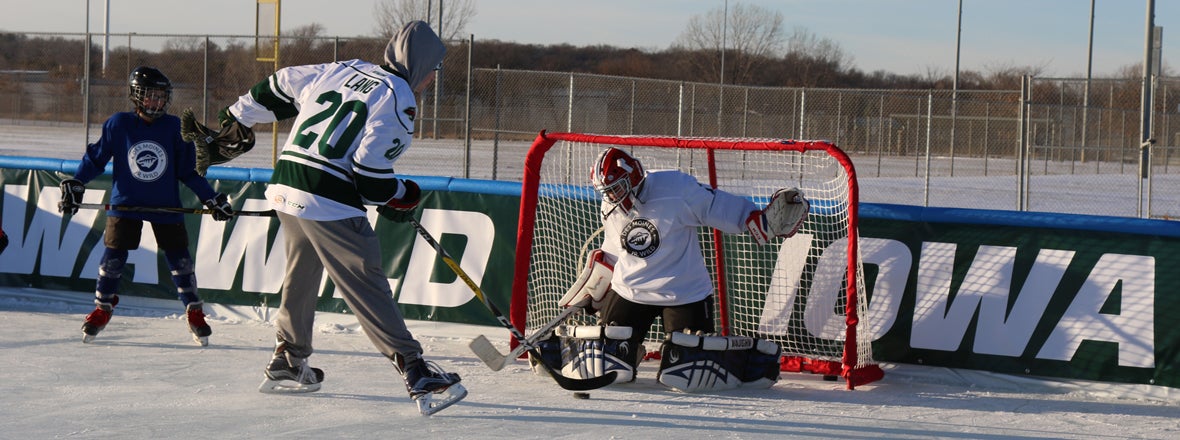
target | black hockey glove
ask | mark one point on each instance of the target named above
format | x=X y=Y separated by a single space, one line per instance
x=220 y=206
x=402 y=210
x=71 y=196
x=216 y=147
x=3 y=240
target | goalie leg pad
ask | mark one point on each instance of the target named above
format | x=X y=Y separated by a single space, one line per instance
x=691 y=363
x=588 y=351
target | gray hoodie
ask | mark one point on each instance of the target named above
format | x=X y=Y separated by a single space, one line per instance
x=414 y=51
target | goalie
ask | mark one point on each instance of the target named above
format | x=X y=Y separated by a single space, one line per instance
x=650 y=265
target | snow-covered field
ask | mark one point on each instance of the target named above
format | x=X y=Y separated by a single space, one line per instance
x=144 y=378
x=894 y=180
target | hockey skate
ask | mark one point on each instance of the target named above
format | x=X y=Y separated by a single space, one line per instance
x=429 y=386
x=98 y=319
x=286 y=374
x=196 y=323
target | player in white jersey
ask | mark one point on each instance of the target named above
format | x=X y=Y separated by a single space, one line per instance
x=651 y=229
x=352 y=120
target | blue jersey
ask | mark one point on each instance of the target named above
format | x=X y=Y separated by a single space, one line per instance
x=150 y=161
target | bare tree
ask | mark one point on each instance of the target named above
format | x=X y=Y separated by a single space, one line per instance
x=390 y=15
x=753 y=36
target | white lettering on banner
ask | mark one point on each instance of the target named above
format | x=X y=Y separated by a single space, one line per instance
x=1006 y=332
x=784 y=282
x=1133 y=328
x=940 y=324
x=893 y=260
x=21 y=255
x=417 y=287
x=820 y=317
x=936 y=263
x=44 y=234
x=247 y=247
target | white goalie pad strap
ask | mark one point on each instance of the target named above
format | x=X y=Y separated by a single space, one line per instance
x=592 y=283
x=713 y=343
x=767 y=347
x=786 y=212
x=593 y=332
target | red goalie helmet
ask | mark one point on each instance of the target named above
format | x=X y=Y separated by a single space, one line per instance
x=617 y=176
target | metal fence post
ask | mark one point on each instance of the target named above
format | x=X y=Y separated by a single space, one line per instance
x=929 y=128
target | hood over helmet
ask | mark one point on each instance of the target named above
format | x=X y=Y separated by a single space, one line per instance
x=414 y=51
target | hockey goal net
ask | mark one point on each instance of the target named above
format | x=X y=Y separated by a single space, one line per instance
x=806 y=293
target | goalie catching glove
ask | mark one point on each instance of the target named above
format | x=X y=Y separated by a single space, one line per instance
x=782 y=217
x=216 y=147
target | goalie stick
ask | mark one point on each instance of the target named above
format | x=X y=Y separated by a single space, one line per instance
x=492 y=357
x=562 y=381
x=168 y=210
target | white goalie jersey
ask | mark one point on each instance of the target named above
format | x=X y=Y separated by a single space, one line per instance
x=655 y=244
x=353 y=119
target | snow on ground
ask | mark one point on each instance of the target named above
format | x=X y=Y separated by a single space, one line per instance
x=145 y=378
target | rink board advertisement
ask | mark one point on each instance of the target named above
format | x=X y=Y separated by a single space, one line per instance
x=242 y=262
x=1020 y=293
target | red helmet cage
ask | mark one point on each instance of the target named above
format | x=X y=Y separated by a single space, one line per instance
x=617 y=176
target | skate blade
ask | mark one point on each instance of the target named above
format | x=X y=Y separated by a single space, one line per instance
x=202 y=340
x=431 y=403
x=87 y=338
x=270 y=386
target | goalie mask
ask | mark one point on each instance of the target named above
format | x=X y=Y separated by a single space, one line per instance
x=150 y=92
x=617 y=176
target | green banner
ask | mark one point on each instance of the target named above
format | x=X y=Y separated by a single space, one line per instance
x=1039 y=301
x=1063 y=296
x=242 y=262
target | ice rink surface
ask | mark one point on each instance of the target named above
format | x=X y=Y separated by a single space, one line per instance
x=145 y=378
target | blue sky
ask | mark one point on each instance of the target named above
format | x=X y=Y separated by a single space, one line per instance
x=899 y=36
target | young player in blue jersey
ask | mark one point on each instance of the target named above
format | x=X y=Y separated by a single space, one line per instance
x=150 y=161
x=352 y=120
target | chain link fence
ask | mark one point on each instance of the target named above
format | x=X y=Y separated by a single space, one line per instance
x=1045 y=147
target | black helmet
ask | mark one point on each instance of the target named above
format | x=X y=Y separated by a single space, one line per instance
x=146 y=84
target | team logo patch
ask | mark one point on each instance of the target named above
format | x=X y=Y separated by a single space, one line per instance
x=640 y=238
x=147 y=161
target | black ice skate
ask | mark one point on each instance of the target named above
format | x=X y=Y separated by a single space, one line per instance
x=98 y=319
x=196 y=323
x=429 y=386
x=287 y=374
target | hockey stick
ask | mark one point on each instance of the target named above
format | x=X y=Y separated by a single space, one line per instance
x=491 y=356
x=562 y=381
x=124 y=208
